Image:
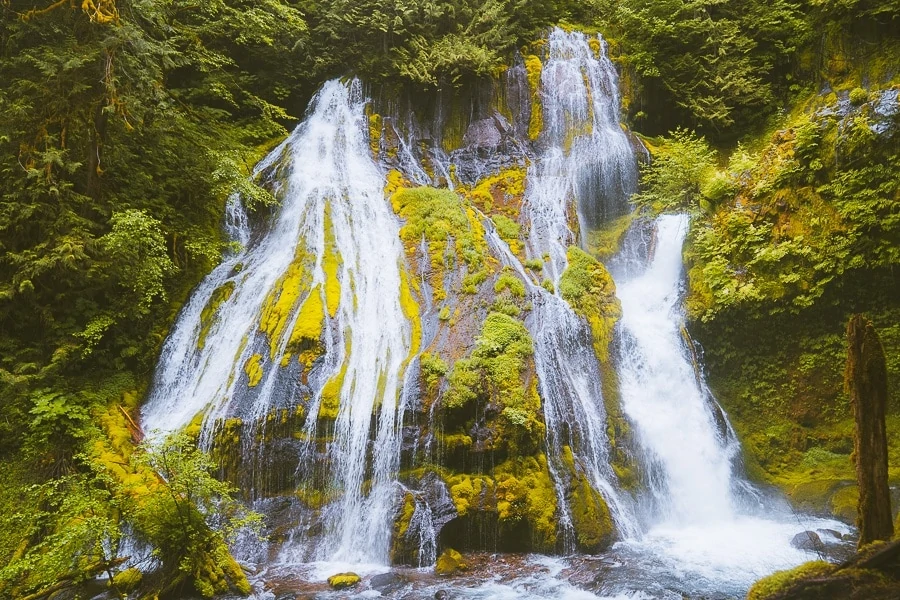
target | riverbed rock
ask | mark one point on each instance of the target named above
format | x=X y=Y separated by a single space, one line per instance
x=808 y=540
x=343 y=581
x=450 y=562
x=388 y=583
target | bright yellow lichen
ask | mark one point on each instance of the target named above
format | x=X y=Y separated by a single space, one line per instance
x=533 y=68
x=253 y=369
x=307 y=331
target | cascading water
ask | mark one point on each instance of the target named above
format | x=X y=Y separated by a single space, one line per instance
x=332 y=255
x=585 y=156
x=703 y=526
x=307 y=319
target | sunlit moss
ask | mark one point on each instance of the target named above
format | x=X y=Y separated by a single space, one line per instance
x=331 y=262
x=282 y=300
x=780 y=582
x=533 y=69
x=253 y=369
x=589 y=289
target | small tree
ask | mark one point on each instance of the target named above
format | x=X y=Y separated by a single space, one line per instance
x=189 y=516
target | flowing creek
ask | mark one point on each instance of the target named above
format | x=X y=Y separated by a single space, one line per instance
x=312 y=319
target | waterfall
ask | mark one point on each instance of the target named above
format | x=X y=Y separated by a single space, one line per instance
x=688 y=451
x=585 y=168
x=325 y=277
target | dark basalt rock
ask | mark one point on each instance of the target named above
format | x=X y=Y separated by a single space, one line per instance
x=388 y=583
x=808 y=540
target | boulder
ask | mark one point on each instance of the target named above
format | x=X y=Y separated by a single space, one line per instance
x=343 y=580
x=450 y=562
x=808 y=540
x=388 y=583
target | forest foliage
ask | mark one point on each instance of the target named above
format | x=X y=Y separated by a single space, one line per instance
x=126 y=124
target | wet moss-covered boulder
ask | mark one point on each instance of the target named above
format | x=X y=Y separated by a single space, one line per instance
x=450 y=562
x=342 y=581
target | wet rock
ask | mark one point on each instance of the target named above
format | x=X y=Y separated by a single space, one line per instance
x=441 y=595
x=343 y=581
x=439 y=501
x=829 y=533
x=483 y=133
x=450 y=562
x=388 y=583
x=808 y=540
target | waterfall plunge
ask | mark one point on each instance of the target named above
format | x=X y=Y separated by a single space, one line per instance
x=332 y=189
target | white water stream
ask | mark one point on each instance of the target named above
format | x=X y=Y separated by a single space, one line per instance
x=331 y=179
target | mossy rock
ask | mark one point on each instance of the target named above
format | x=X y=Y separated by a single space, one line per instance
x=778 y=583
x=594 y=529
x=342 y=581
x=449 y=562
x=127 y=580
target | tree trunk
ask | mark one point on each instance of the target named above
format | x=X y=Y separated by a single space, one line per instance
x=866 y=383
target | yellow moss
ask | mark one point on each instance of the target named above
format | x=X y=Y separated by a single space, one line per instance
x=281 y=300
x=470 y=492
x=208 y=314
x=331 y=392
x=525 y=490
x=394 y=181
x=533 y=68
x=596 y=46
x=375 y=124
x=307 y=332
x=331 y=262
x=410 y=311
x=253 y=369
x=449 y=562
x=409 y=508
x=343 y=580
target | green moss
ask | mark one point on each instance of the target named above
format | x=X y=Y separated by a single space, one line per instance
x=449 y=562
x=535 y=264
x=444 y=314
x=494 y=375
x=782 y=581
x=433 y=369
x=208 y=314
x=605 y=242
x=509 y=281
x=450 y=231
x=525 y=491
x=127 y=581
x=590 y=291
x=253 y=369
x=342 y=581
x=533 y=69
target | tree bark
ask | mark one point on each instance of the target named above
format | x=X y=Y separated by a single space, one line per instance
x=866 y=382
